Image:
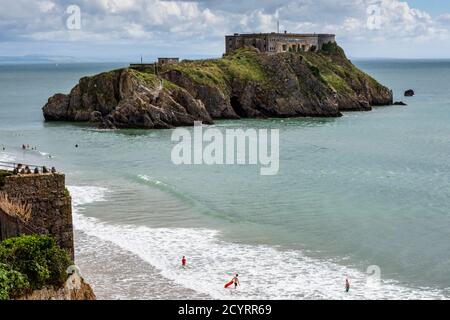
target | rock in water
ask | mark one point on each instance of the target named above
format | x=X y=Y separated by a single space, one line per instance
x=399 y=103
x=242 y=84
x=409 y=93
x=56 y=107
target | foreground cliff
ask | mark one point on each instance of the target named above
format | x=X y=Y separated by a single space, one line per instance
x=36 y=238
x=75 y=288
x=243 y=84
x=34 y=267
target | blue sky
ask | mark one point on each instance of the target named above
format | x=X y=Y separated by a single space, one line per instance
x=434 y=7
x=122 y=30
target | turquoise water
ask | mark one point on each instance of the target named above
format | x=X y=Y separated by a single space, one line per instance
x=370 y=188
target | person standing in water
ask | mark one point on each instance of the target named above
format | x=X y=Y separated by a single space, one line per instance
x=236 y=281
x=183 y=261
x=347 y=285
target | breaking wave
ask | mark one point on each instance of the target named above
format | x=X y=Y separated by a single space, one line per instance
x=265 y=272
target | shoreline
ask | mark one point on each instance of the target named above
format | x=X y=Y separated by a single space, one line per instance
x=318 y=272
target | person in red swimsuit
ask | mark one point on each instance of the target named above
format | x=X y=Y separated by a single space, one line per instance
x=183 y=261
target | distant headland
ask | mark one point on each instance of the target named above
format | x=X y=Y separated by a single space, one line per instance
x=264 y=75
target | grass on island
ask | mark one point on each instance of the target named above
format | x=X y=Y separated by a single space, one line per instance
x=241 y=64
x=31 y=263
x=325 y=68
x=152 y=80
x=329 y=65
x=337 y=71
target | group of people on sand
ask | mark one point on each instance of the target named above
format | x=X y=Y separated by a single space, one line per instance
x=236 y=282
x=24 y=169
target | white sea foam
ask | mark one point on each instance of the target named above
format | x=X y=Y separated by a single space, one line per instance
x=4 y=157
x=265 y=272
x=151 y=179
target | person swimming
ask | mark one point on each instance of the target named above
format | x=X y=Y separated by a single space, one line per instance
x=236 y=281
x=347 y=285
x=183 y=261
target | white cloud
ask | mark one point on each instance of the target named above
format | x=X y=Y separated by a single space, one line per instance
x=45 y=6
x=198 y=22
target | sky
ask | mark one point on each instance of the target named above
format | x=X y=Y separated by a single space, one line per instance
x=123 y=30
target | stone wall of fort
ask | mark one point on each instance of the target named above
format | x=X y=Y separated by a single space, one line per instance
x=278 y=42
x=49 y=204
x=324 y=39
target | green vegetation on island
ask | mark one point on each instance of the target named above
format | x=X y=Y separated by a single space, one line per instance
x=244 y=83
x=241 y=64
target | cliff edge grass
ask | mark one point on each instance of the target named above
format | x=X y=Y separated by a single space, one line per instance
x=242 y=84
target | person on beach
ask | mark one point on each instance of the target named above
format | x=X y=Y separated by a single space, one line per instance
x=236 y=281
x=347 y=285
x=183 y=261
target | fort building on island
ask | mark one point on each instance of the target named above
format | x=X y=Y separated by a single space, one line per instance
x=269 y=43
x=273 y=43
x=154 y=66
x=165 y=61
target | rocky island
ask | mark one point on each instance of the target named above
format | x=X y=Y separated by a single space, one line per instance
x=244 y=83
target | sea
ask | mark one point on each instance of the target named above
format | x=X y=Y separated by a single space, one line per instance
x=364 y=197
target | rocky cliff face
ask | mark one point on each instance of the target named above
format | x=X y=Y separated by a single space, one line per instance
x=126 y=98
x=243 y=84
x=74 y=289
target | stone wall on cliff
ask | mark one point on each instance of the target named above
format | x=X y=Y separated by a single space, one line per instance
x=50 y=203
